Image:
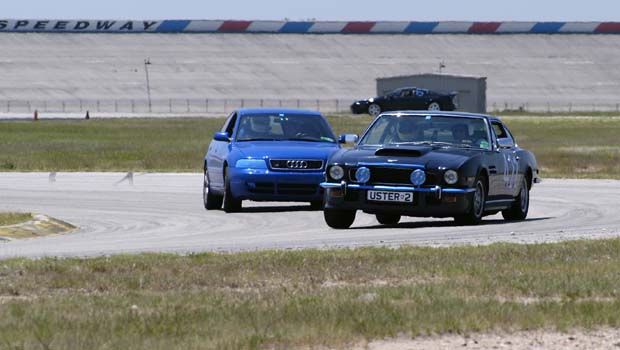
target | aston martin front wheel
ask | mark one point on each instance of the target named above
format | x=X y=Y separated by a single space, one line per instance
x=521 y=205
x=374 y=109
x=339 y=218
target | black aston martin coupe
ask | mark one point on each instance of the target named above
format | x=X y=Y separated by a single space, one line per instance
x=430 y=164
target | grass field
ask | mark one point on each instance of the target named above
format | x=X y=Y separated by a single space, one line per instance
x=13 y=218
x=568 y=146
x=305 y=299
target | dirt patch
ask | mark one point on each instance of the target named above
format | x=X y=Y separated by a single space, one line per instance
x=606 y=338
x=40 y=225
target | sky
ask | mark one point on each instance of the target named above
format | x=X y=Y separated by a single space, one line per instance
x=336 y=10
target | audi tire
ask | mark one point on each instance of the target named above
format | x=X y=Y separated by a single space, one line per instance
x=230 y=203
x=211 y=200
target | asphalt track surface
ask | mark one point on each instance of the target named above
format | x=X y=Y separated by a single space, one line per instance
x=164 y=213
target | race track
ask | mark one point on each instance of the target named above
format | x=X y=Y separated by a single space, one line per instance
x=164 y=213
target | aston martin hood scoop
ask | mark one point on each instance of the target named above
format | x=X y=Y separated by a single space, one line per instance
x=403 y=151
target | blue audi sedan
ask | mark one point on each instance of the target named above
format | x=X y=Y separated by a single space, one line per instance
x=268 y=155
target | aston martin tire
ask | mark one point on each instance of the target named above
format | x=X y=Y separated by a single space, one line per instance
x=476 y=210
x=521 y=205
x=374 y=109
x=434 y=106
x=210 y=199
x=231 y=204
x=388 y=219
x=339 y=218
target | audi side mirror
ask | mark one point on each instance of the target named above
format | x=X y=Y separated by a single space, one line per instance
x=221 y=136
x=347 y=138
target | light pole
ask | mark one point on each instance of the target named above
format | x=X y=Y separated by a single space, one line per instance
x=147 y=62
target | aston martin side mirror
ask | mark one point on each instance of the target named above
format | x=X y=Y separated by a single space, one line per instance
x=505 y=142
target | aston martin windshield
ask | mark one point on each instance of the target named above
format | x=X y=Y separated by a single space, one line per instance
x=442 y=131
x=281 y=127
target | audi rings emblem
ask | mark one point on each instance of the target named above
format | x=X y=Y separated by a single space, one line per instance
x=296 y=164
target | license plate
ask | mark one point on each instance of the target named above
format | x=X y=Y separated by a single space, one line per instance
x=389 y=196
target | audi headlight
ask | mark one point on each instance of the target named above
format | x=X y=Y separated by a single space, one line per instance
x=251 y=164
x=451 y=177
x=336 y=172
x=362 y=174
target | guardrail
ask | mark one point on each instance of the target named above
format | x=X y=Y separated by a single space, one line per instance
x=171 y=106
x=225 y=106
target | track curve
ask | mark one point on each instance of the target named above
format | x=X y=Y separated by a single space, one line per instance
x=164 y=213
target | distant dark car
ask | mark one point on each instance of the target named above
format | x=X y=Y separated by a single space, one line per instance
x=430 y=164
x=407 y=98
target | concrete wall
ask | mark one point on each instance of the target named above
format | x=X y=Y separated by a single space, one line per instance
x=536 y=71
x=472 y=90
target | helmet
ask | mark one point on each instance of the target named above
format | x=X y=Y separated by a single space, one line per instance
x=407 y=128
x=260 y=123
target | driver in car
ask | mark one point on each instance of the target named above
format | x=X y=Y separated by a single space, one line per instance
x=256 y=127
x=406 y=130
x=460 y=133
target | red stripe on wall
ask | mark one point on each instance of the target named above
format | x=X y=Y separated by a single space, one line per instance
x=608 y=27
x=358 y=27
x=234 y=26
x=484 y=27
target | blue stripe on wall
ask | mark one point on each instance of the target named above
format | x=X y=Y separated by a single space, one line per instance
x=547 y=27
x=296 y=27
x=421 y=27
x=172 y=26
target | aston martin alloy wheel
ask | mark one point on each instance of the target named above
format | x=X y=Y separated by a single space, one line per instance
x=374 y=109
x=211 y=200
x=521 y=205
x=476 y=209
x=434 y=106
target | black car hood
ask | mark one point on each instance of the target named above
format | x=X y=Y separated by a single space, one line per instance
x=427 y=156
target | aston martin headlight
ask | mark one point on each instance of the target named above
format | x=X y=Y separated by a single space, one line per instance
x=417 y=177
x=336 y=172
x=251 y=164
x=362 y=174
x=451 y=177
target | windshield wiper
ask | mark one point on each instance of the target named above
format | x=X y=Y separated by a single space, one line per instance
x=415 y=143
x=303 y=139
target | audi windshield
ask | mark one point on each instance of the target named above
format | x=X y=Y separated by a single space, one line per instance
x=279 y=127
